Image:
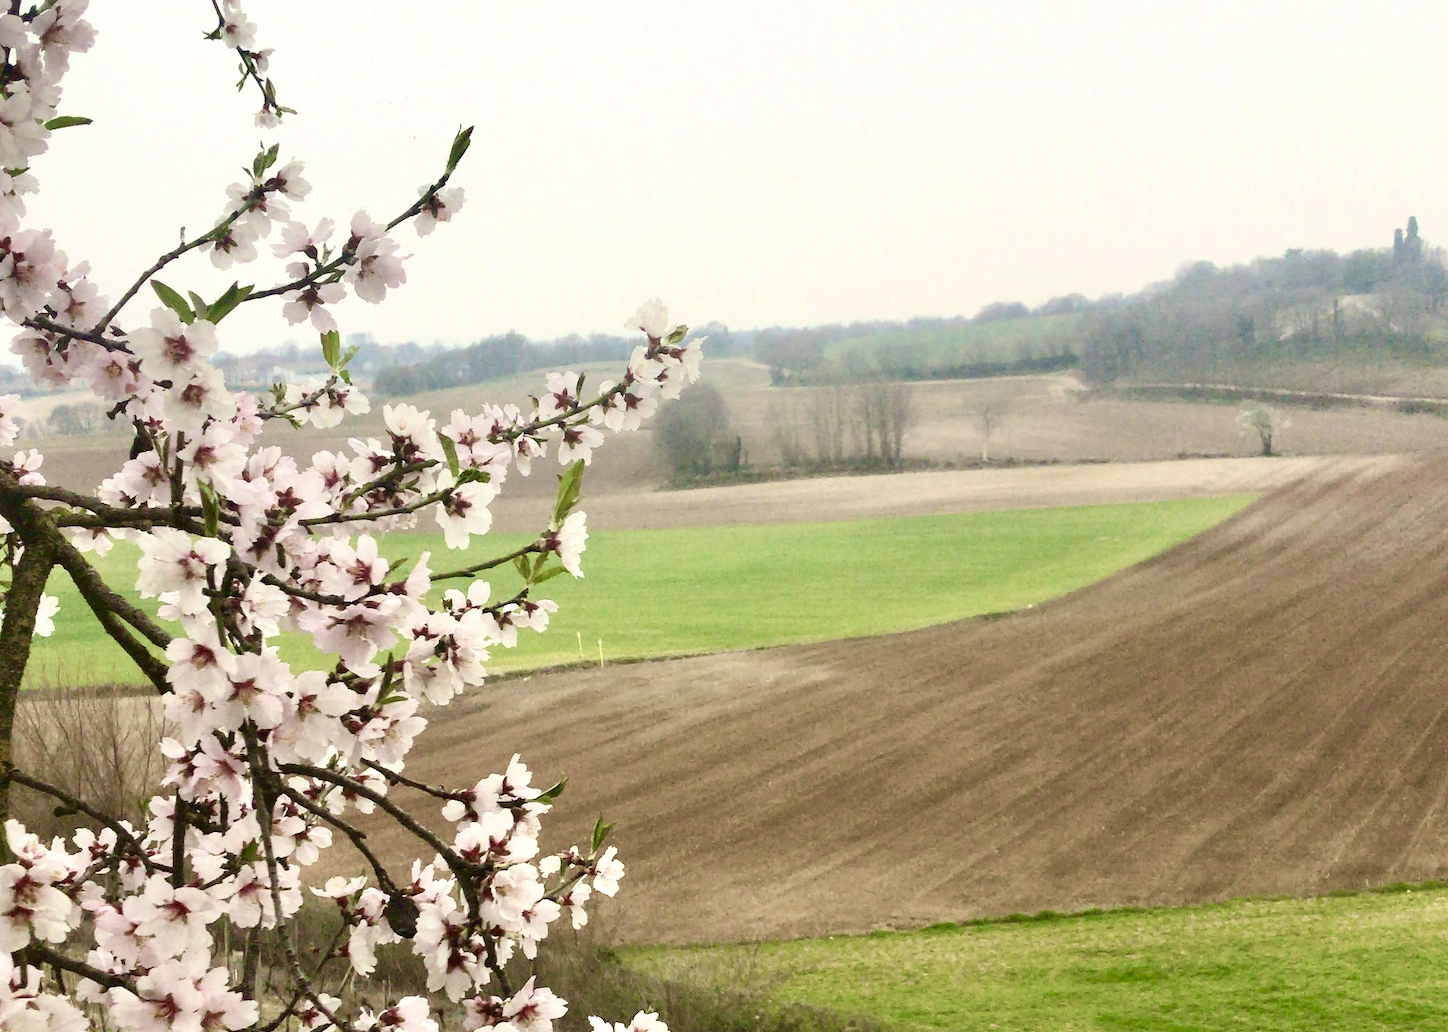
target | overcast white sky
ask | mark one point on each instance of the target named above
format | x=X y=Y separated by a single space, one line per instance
x=765 y=163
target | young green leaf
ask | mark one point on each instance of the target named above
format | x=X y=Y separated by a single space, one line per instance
x=570 y=486
x=679 y=333
x=459 y=147
x=547 y=575
x=197 y=303
x=66 y=121
x=450 y=449
x=331 y=348
x=227 y=302
x=600 y=833
x=173 y=301
x=549 y=794
x=265 y=160
x=210 y=509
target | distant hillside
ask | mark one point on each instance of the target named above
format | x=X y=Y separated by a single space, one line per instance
x=1309 y=320
x=1372 y=321
x=1004 y=338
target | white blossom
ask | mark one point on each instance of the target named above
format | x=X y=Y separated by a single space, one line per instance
x=45 y=615
x=437 y=206
x=236 y=32
x=463 y=510
x=652 y=317
x=170 y=349
x=569 y=541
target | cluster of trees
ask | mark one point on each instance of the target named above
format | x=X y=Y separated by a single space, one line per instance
x=1302 y=304
x=289 y=362
x=695 y=437
x=833 y=427
x=1066 y=304
x=495 y=357
x=842 y=425
x=78 y=418
x=508 y=353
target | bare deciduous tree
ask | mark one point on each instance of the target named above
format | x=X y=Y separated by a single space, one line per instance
x=990 y=412
x=829 y=418
x=787 y=427
x=883 y=416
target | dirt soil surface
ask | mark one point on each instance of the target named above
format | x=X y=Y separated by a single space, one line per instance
x=1261 y=710
x=937 y=492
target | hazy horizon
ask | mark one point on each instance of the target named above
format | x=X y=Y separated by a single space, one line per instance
x=759 y=165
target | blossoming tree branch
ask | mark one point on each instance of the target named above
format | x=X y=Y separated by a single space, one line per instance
x=164 y=926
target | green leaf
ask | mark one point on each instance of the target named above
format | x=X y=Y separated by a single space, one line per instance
x=66 y=121
x=524 y=568
x=450 y=449
x=227 y=302
x=197 y=303
x=459 y=147
x=331 y=348
x=265 y=160
x=679 y=333
x=347 y=357
x=549 y=794
x=570 y=486
x=548 y=574
x=210 y=509
x=173 y=301
x=600 y=833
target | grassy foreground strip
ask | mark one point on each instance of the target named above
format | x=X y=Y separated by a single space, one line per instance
x=1370 y=961
x=669 y=592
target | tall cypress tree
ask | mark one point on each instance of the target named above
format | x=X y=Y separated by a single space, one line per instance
x=1412 y=244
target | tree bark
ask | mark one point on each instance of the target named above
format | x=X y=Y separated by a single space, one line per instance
x=21 y=604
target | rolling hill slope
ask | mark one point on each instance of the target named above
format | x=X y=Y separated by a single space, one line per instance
x=1261 y=710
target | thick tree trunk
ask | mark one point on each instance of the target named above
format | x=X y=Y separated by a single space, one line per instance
x=21 y=604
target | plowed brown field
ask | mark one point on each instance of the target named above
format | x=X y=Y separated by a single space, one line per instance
x=1261 y=710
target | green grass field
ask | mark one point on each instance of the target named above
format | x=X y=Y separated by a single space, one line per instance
x=1371 y=961
x=671 y=592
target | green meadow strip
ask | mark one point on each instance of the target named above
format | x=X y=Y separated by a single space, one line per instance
x=1349 y=961
x=654 y=593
